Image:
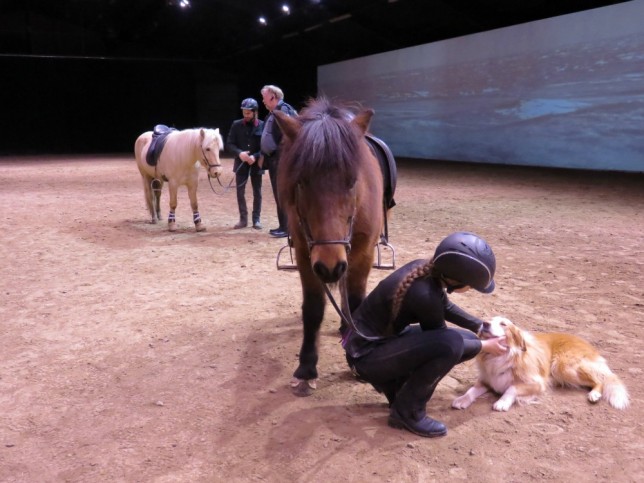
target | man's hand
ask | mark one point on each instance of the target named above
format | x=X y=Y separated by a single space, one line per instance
x=246 y=157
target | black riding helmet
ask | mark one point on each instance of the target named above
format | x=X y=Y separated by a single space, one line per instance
x=468 y=259
x=250 y=104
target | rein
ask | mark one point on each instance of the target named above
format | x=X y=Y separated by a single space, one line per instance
x=226 y=188
x=230 y=183
x=346 y=318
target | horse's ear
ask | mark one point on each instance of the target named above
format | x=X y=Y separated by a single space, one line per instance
x=363 y=119
x=202 y=134
x=290 y=126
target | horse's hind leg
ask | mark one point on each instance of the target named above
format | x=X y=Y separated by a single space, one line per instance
x=196 y=217
x=305 y=375
x=151 y=200
x=157 y=188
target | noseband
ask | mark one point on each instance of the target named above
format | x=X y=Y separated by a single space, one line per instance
x=205 y=160
x=311 y=242
x=306 y=229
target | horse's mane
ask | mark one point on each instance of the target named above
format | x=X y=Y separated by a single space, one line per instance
x=193 y=135
x=326 y=150
x=185 y=141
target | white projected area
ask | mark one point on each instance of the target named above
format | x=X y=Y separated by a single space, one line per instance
x=563 y=92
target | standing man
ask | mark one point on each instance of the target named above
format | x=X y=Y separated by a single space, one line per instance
x=273 y=98
x=244 y=143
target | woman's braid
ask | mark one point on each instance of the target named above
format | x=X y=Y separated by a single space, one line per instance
x=418 y=272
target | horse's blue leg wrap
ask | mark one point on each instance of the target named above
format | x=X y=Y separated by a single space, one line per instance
x=171 y=217
x=196 y=217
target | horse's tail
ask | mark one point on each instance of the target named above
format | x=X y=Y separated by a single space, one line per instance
x=139 y=144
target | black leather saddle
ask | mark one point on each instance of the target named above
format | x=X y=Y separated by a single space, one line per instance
x=387 y=166
x=159 y=137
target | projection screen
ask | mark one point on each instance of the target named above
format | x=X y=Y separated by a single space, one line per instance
x=562 y=92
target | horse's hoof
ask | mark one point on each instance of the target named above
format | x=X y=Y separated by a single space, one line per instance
x=154 y=221
x=172 y=226
x=200 y=227
x=303 y=387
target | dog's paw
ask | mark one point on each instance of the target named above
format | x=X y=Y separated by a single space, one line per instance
x=594 y=396
x=462 y=402
x=502 y=404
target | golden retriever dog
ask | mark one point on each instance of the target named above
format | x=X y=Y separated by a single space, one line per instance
x=534 y=361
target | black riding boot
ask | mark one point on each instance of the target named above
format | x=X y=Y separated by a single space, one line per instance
x=408 y=410
x=389 y=389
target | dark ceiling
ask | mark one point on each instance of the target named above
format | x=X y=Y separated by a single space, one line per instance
x=72 y=68
x=227 y=32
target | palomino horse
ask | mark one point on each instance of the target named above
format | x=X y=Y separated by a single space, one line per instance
x=331 y=186
x=178 y=164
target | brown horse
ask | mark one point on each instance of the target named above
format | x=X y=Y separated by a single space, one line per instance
x=331 y=186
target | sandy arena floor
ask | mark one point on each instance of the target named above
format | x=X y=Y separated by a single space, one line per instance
x=132 y=354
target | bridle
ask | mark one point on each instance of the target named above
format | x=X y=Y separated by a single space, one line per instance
x=346 y=242
x=311 y=242
x=207 y=163
x=306 y=229
x=230 y=183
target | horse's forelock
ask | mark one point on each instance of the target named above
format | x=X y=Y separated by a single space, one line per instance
x=327 y=144
x=209 y=136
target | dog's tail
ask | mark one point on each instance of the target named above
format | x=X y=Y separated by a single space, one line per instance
x=614 y=392
x=603 y=382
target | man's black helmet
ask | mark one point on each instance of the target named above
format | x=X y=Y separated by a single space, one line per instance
x=250 y=104
x=468 y=259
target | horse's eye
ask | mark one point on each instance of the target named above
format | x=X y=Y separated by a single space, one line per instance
x=207 y=149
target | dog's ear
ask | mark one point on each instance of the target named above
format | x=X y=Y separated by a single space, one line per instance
x=515 y=337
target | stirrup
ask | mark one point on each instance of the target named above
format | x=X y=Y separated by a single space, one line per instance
x=288 y=265
x=378 y=263
x=386 y=247
x=155 y=185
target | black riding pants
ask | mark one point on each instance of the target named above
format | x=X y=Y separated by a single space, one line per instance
x=281 y=214
x=241 y=179
x=412 y=364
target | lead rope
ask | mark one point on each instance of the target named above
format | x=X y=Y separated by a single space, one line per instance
x=346 y=317
x=226 y=188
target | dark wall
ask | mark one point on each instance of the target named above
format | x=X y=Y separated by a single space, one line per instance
x=90 y=105
x=58 y=105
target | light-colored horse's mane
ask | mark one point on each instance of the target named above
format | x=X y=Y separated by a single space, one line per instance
x=188 y=142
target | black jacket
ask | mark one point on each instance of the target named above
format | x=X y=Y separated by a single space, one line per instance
x=245 y=137
x=425 y=303
x=272 y=135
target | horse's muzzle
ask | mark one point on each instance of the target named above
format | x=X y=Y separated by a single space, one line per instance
x=328 y=275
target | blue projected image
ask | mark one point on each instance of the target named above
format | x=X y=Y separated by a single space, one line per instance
x=562 y=92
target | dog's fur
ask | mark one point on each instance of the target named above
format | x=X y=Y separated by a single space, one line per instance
x=534 y=361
